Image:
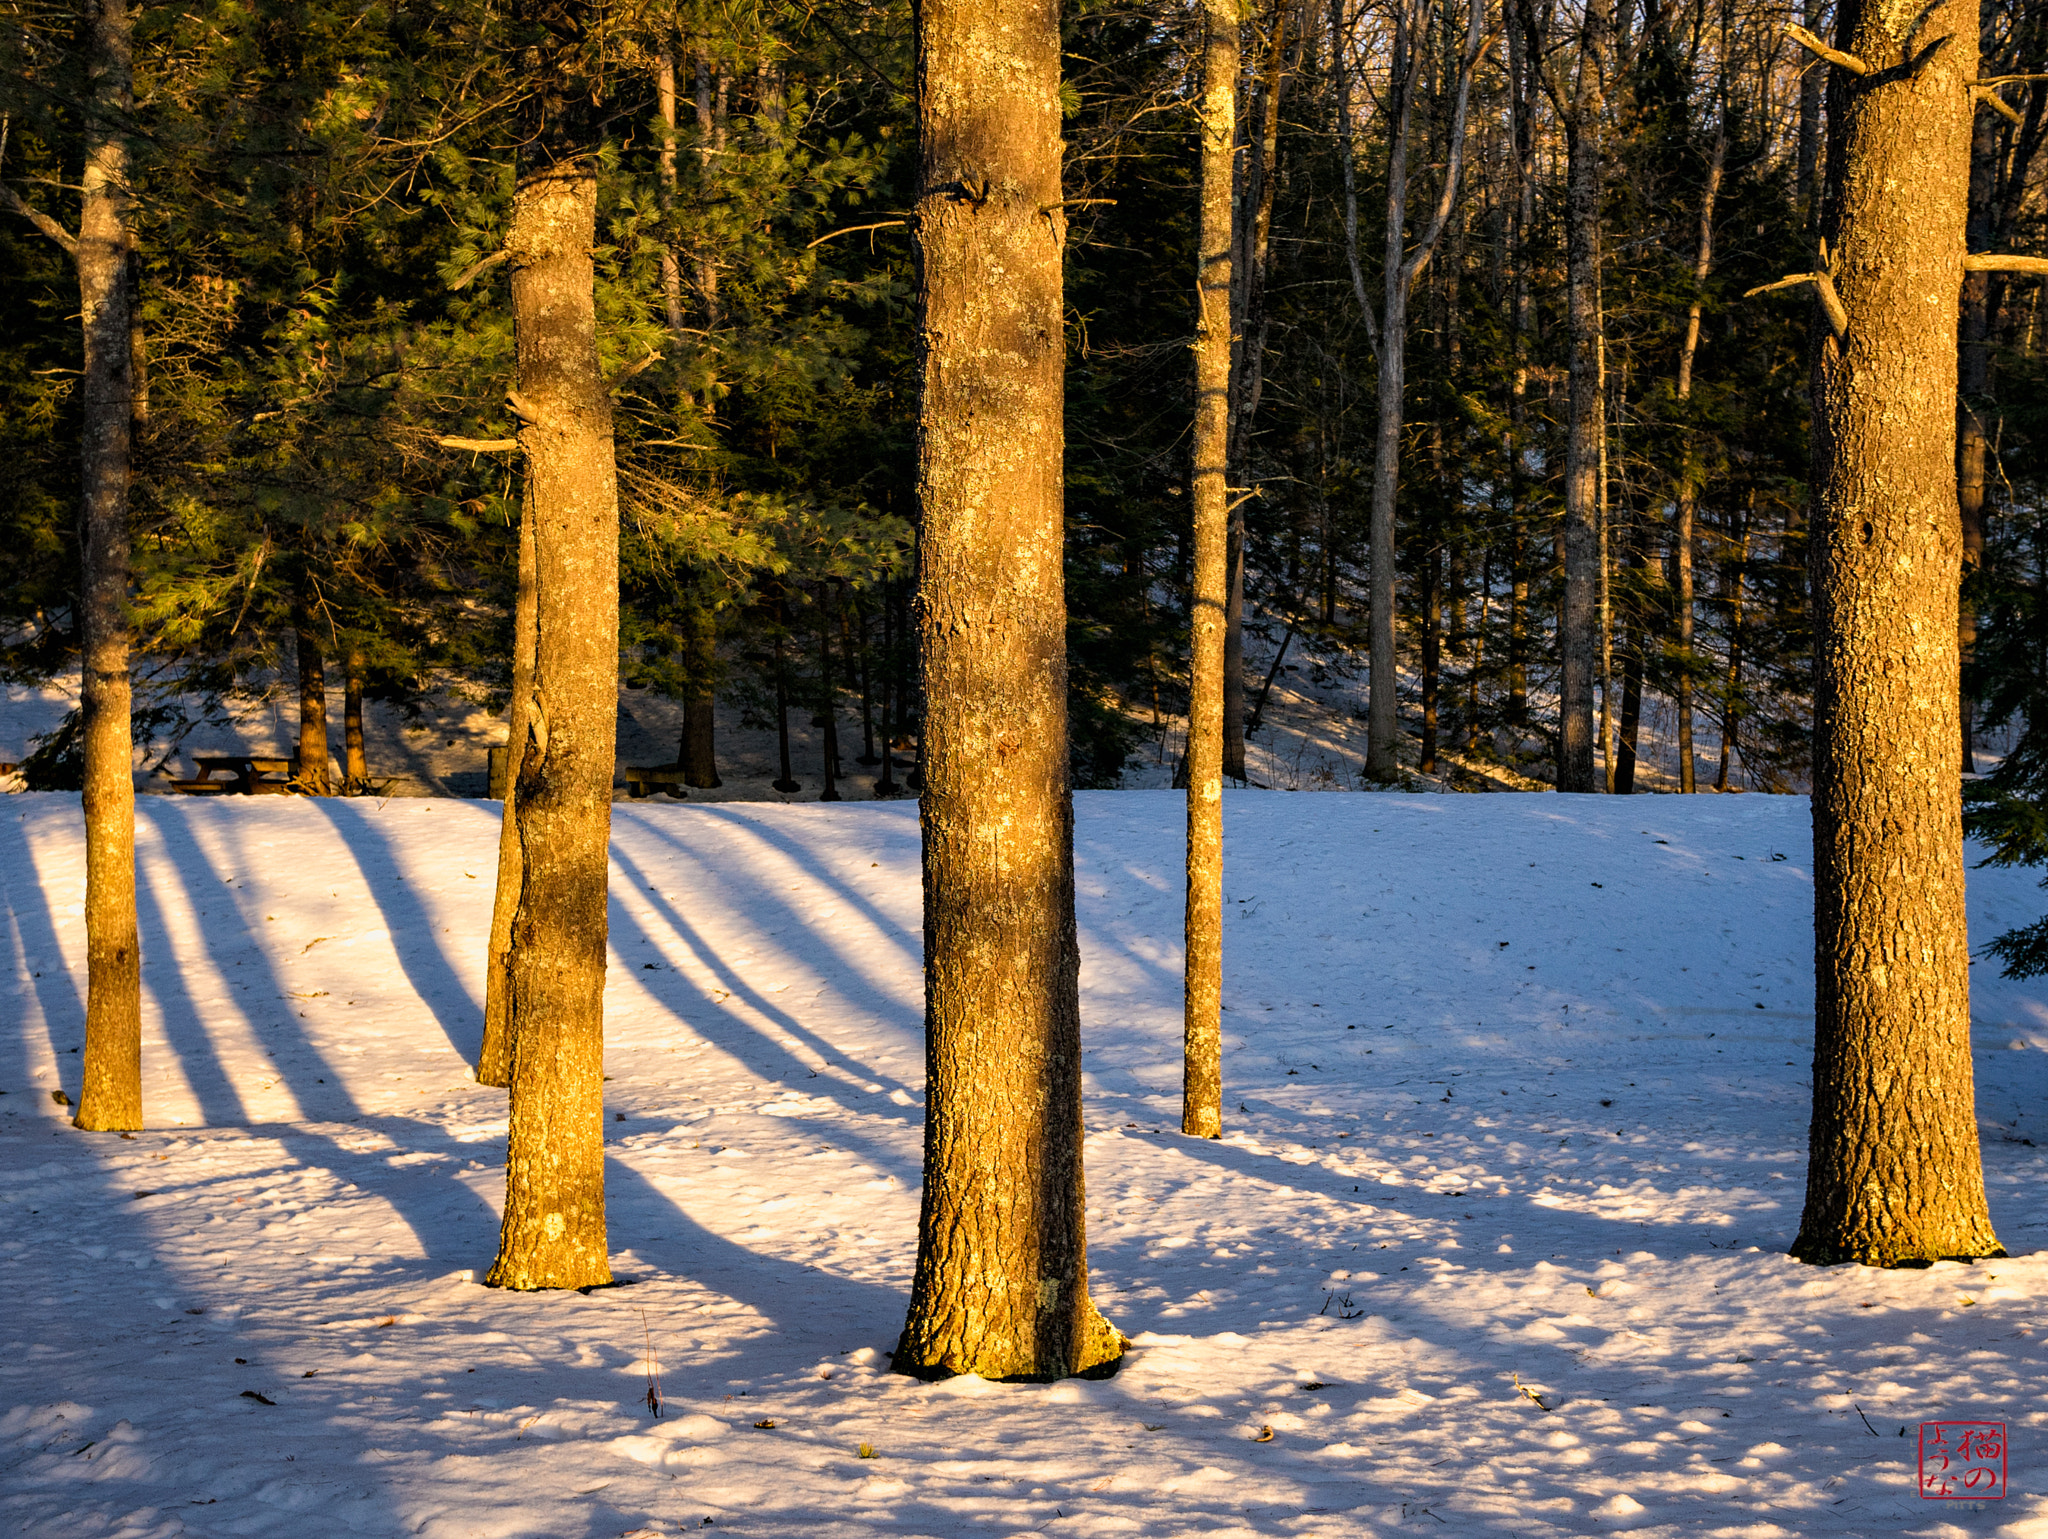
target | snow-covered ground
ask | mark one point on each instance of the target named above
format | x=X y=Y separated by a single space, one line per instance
x=1546 y=1128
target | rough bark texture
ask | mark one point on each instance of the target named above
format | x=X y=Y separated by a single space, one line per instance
x=1202 y=1072
x=1001 y=1288
x=1579 y=618
x=315 y=774
x=554 y=1227
x=110 y=1096
x=494 y=1058
x=1894 y=1175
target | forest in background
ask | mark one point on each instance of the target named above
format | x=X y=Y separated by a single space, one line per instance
x=325 y=347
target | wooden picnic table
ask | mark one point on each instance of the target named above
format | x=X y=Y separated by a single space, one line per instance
x=240 y=775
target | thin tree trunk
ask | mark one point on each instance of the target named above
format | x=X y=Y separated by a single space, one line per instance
x=885 y=783
x=1731 y=684
x=1383 y=700
x=788 y=785
x=110 y=1096
x=1973 y=368
x=1587 y=425
x=314 y=774
x=665 y=187
x=1632 y=647
x=856 y=637
x=699 y=747
x=1606 y=591
x=1248 y=276
x=1001 y=1287
x=1432 y=653
x=554 y=1226
x=1401 y=267
x=710 y=145
x=1894 y=1174
x=1522 y=219
x=828 y=697
x=1209 y=666
x=355 y=766
x=1813 y=83
x=494 y=1058
x=1687 y=502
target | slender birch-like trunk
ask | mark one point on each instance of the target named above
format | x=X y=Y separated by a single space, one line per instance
x=1202 y=1066
x=1402 y=265
x=1001 y=1288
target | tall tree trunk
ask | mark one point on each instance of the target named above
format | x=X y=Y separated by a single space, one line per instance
x=788 y=785
x=1209 y=667
x=710 y=145
x=828 y=697
x=1894 y=1175
x=110 y=1097
x=355 y=765
x=665 y=188
x=698 y=751
x=1402 y=265
x=554 y=1227
x=494 y=1058
x=1001 y=1288
x=314 y=773
x=855 y=633
x=1973 y=369
x=1687 y=501
x=1813 y=82
x=1253 y=247
x=1521 y=220
x=885 y=783
x=1731 y=682
x=1432 y=653
x=1578 y=624
x=1632 y=647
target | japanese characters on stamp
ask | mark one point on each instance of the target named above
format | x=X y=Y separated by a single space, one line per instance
x=1962 y=1461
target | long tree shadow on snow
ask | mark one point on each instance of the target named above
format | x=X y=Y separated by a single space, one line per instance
x=41 y=954
x=757 y=898
x=413 y=935
x=626 y=929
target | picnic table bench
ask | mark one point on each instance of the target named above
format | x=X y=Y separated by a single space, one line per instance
x=240 y=775
x=640 y=779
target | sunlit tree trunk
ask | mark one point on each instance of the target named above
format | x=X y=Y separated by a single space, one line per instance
x=110 y=1097
x=554 y=1226
x=1202 y=1070
x=1894 y=1175
x=355 y=763
x=1001 y=1288
x=314 y=774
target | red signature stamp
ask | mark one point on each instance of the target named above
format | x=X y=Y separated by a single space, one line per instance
x=1962 y=1461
